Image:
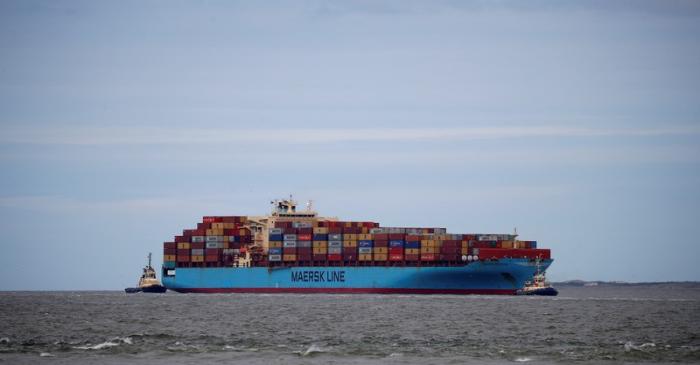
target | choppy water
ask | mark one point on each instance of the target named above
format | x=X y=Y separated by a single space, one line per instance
x=630 y=324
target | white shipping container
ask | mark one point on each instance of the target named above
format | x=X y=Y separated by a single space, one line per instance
x=365 y=250
x=335 y=237
x=276 y=230
x=289 y=244
x=198 y=238
x=335 y=250
x=335 y=243
x=290 y=237
x=275 y=257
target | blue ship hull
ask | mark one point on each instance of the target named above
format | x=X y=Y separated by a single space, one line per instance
x=505 y=276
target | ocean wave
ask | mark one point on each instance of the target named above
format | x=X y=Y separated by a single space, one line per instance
x=116 y=341
x=46 y=354
x=313 y=349
x=4 y=340
x=522 y=359
x=630 y=346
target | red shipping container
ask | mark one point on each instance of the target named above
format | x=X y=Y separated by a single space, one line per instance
x=381 y=243
x=289 y=251
x=335 y=230
x=308 y=231
x=304 y=257
x=427 y=257
x=449 y=257
x=320 y=257
x=212 y=219
x=231 y=219
x=290 y=230
x=211 y=258
x=203 y=226
x=396 y=236
x=169 y=245
x=412 y=237
x=283 y=225
x=197 y=245
x=493 y=253
x=412 y=257
x=395 y=257
x=304 y=251
x=349 y=256
x=181 y=239
x=335 y=257
x=188 y=232
x=183 y=252
x=211 y=252
x=380 y=237
x=303 y=237
x=170 y=251
x=449 y=250
x=183 y=258
x=396 y=251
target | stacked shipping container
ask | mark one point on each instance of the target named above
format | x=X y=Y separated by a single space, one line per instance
x=219 y=241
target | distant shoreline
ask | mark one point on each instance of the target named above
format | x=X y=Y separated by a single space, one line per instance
x=620 y=283
x=576 y=283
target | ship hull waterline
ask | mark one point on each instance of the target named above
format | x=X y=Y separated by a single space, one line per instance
x=503 y=277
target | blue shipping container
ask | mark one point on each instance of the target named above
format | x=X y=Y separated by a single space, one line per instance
x=276 y=237
x=365 y=243
x=275 y=251
x=396 y=243
x=320 y=237
x=412 y=244
x=169 y=264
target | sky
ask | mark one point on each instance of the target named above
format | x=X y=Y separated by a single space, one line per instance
x=122 y=123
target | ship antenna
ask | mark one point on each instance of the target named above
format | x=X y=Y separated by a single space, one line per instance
x=149 y=259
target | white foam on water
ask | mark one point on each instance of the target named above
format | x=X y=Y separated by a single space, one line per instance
x=629 y=346
x=116 y=341
x=522 y=359
x=47 y=354
x=313 y=349
x=4 y=340
x=99 y=346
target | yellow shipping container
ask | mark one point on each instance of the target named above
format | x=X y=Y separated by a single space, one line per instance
x=364 y=236
x=289 y=257
x=321 y=230
x=197 y=258
x=323 y=244
x=427 y=250
x=507 y=244
x=320 y=251
x=365 y=257
x=365 y=230
x=228 y=225
x=381 y=250
x=169 y=258
x=380 y=257
x=241 y=232
x=348 y=224
x=349 y=237
x=183 y=246
x=275 y=244
x=412 y=251
x=349 y=243
x=217 y=225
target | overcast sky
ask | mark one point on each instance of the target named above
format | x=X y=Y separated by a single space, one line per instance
x=124 y=122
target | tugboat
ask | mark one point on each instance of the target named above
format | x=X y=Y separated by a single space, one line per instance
x=538 y=285
x=148 y=282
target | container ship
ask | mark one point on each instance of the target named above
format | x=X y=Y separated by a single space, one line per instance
x=291 y=251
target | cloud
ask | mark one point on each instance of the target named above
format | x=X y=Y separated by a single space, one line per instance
x=189 y=136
